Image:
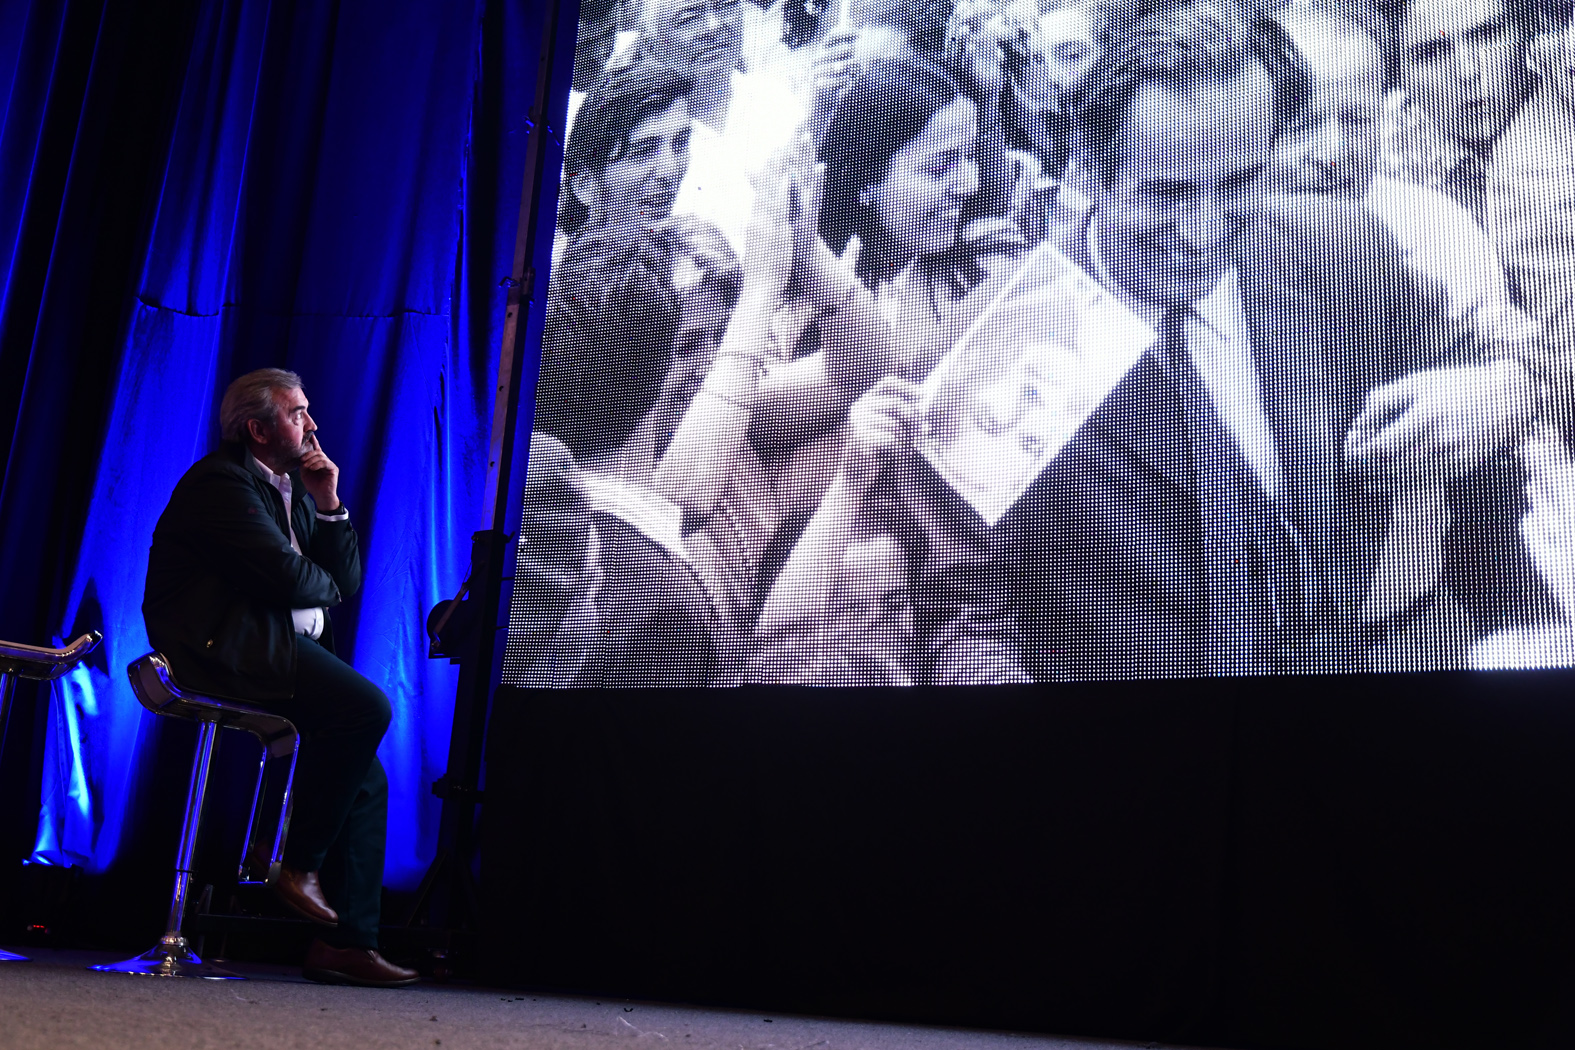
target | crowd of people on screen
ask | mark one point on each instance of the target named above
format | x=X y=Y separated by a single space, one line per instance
x=1346 y=221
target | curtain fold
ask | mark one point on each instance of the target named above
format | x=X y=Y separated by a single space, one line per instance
x=306 y=209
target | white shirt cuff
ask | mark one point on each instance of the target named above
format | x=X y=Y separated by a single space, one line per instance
x=342 y=514
x=308 y=622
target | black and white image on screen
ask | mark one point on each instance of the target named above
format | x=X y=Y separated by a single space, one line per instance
x=963 y=342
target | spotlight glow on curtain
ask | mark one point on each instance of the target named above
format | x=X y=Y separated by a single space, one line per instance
x=311 y=215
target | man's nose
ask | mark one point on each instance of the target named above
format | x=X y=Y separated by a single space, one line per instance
x=673 y=163
x=1202 y=226
x=310 y=424
x=1468 y=63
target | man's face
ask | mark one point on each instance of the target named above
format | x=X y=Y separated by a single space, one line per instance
x=1007 y=424
x=1332 y=148
x=639 y=185
x=1191 y=176
x=1464 y=62
x=706 y=311
x=704 y=38
x=1066 y=37
x=287 y=440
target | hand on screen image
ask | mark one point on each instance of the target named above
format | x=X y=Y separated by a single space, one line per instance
x=976 y=41
x=880 y=425
x=832 y=74
x=1548 y=528
x=771 y=238
x=1437 y=426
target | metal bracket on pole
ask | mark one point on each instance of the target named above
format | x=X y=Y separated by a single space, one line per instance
x=482 y=591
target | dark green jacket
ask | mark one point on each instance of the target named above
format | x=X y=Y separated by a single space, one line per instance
x=222 y=577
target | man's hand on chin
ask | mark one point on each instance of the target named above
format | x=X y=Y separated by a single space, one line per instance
x=320 y=476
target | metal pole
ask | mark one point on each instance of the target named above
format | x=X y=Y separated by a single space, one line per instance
x=457 y=787
x=185 y=865
x=7 y=683
x=172 y=956
x=247 y=868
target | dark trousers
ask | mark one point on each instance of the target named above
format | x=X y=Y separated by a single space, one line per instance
x=340 y=818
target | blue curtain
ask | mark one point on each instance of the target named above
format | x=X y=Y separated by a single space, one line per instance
x=323 y=199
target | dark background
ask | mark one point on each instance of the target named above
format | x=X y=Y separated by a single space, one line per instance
x=1344 y=862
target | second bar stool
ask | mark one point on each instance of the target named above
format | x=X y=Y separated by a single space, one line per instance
x=43 y=665
x=156 y=688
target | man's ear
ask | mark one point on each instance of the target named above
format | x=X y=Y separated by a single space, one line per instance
x=257 y=431
x=587 y=189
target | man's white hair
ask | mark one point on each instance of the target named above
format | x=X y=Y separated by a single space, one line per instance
x=251 y=397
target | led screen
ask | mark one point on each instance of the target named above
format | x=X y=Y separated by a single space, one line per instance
x=911 y=342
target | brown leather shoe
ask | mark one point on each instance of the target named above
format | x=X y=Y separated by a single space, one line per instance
x=302 y=894
x=360 y=966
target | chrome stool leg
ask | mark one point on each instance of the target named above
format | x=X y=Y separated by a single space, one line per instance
x=172 y=956
x=260 y=861
x=7 y=681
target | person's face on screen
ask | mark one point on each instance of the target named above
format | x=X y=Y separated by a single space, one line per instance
x=1046 y=65
x=1191 y=174
x=704 y=38
x=1066 y=41
x=705 y=312
x=1464 y=63
x=640 y=183
x=1332 y=148
x=920 y=201
x=1008 y=424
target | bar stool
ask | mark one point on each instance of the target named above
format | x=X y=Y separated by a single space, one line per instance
x=156 y=688
x=43 y=665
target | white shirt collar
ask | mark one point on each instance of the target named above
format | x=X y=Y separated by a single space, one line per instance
x=1220 y=310
x=278 y=481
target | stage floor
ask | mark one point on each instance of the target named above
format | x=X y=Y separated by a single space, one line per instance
x=53 y=1002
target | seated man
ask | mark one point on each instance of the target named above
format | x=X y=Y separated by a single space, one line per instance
x=251 y=552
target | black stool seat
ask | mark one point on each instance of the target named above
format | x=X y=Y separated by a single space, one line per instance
x=41 y=664
x=154 y=684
